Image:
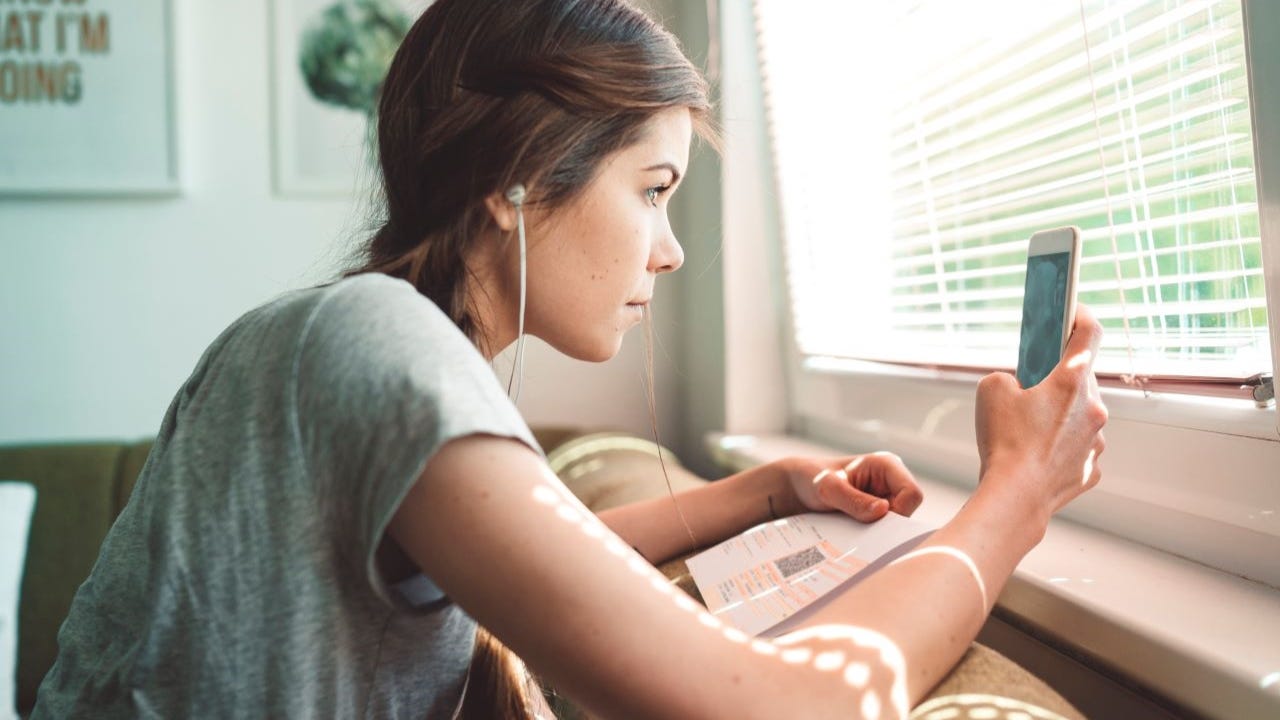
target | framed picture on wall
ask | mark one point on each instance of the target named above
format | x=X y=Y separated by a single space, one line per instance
x=87 y=98
x=329 y=58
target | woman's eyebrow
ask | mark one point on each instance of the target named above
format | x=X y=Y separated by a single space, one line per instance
x=675 y=174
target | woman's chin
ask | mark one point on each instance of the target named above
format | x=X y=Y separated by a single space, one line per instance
x=595 y=350
x=597 y=353
x=596 y=347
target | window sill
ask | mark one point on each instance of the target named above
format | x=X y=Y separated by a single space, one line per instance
x=1201 y=638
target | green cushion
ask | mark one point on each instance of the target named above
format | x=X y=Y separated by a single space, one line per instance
x=76 y=493
x=135 y=456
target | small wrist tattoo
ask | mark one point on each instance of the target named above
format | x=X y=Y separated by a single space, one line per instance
x=772 y=513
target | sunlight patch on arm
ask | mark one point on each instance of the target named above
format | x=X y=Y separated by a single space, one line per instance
x=948 y=551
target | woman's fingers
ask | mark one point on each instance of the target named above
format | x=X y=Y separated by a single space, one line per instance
x=1078 y=359
x=1095 y=460
x=1082 y=346
x=866 y=487
x=884 y=474
x=1050 y=436
x=835 y=490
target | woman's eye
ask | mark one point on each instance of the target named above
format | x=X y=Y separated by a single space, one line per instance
x=653 y=193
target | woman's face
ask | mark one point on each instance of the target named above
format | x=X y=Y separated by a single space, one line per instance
x=592 y=264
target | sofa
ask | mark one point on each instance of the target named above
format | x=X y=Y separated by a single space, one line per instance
x=81 y=488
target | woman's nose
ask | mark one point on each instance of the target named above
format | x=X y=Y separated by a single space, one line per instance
x=667 y=254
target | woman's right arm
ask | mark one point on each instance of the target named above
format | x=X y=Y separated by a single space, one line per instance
x=502 y=536
x=1039 y=449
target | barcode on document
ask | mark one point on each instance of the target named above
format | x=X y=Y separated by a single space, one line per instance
x=799 y=562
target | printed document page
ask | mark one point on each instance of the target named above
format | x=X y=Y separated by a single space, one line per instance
x=769 y=573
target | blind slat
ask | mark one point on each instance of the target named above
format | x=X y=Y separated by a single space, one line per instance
x=1035 y=104
x=1048 y=218
x=985 y=294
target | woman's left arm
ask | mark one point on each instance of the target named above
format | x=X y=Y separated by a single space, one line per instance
x=864 y=487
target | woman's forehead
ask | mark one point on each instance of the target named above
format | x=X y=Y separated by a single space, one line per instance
x=664 y=141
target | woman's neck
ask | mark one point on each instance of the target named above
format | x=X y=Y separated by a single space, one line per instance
x=491 y=310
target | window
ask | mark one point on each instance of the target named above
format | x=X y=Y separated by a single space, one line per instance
x=917 y=146
x=956 y=130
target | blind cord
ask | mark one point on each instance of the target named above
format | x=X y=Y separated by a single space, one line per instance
x=1131 y=378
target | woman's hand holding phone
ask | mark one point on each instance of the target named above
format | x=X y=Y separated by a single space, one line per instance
x=1039 y=447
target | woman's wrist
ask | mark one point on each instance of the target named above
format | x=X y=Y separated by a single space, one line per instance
x=781 y=499
x=764 y=493
x=1003 y=495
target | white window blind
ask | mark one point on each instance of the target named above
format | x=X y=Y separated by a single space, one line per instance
x=919 y=145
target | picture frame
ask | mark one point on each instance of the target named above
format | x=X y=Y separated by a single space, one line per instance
x=322 y=141
x=87 y=95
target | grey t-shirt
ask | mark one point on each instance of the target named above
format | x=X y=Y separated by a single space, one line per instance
x=240 y=580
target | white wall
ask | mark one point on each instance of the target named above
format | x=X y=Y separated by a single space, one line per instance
x=107 y=303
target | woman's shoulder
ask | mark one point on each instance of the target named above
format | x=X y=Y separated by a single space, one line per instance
x=373 y=304
x=372 y=284
x=373 y=320
x=362 y=319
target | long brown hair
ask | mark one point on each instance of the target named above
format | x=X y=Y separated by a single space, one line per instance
x=486 y=93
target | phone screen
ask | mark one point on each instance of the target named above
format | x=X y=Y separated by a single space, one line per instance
x=1044 y=305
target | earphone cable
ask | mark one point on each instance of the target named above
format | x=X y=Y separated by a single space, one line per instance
x=516 y=195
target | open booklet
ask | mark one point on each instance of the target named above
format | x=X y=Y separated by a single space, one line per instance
x=768 y=579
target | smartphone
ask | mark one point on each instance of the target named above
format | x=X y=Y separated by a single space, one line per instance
x=1048 y=302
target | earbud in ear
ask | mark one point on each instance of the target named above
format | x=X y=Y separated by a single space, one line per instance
x=516 y=194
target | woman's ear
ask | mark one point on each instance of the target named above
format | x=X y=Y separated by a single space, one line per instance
x=503 y=212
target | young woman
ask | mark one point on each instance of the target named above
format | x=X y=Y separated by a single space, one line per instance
x=342 y=489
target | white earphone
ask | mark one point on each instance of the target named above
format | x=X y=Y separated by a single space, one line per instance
x=515 y=194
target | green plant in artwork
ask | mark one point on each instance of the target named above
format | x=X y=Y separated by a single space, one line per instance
x=346 y=49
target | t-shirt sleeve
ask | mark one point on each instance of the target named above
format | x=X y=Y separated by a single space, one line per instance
x=384 y=379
